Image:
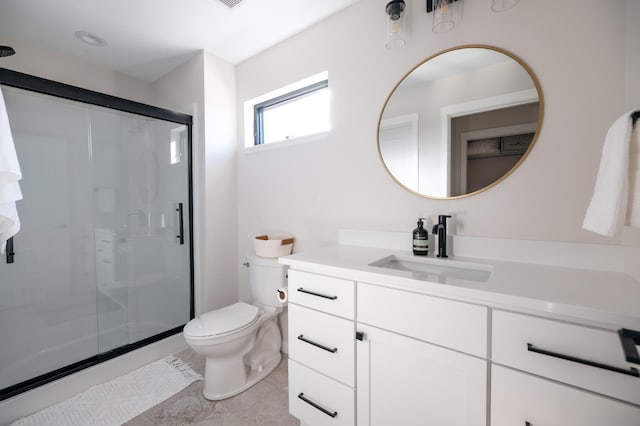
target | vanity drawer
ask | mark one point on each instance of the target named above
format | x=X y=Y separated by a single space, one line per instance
x=318 y=400
x=323 y=342
x=455 y=325
x=328 y=294
x=523 y=399
x=540 y=346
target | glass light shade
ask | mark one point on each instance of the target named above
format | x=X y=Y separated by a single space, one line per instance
x=444 y=15
x=396 y=31
x=503 y=5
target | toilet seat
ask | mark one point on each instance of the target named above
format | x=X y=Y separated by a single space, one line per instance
x=222 y=321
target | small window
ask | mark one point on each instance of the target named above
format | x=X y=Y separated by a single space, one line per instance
x=177 y=144
x=298 y=113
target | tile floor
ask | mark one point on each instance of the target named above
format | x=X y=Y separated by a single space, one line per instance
x=265 y=404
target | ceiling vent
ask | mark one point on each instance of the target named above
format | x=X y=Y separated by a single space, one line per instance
x=230 y=3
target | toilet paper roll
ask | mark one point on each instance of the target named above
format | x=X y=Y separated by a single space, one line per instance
x=283 y=295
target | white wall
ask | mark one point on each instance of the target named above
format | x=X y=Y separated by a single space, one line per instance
x=221 y=183
x=205 y=88
x=311 y=190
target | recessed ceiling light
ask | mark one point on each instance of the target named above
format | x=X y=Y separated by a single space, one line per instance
x=92 y=39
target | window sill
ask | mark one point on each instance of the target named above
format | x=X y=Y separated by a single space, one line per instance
x=286 y=143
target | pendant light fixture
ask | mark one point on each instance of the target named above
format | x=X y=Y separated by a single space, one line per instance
x=396 y=31
x=446 y=14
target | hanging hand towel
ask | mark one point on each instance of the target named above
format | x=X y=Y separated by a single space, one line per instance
x=606 y=212
x=10 y=174
x=633 y=206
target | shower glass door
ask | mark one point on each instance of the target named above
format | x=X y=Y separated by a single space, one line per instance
x=48 y=312
x=140 y=210
x=103 y=259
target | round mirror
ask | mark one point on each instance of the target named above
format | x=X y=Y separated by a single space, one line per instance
x=460 y=122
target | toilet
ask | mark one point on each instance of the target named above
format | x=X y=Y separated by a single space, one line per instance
x=241 y=342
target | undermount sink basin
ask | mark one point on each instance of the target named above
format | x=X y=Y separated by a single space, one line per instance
x=443 y=271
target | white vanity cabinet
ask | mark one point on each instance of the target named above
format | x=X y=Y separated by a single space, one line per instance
x=548 y=372
x=321 y=349
x=414 y=362
x=389 y=349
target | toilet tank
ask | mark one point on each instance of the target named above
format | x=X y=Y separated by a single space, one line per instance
x=266 y=276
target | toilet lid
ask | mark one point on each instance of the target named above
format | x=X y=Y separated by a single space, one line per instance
x=222 y=321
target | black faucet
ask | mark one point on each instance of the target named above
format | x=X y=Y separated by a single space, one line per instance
x=441 y=229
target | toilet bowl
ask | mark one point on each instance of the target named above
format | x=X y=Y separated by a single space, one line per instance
x=241 y=342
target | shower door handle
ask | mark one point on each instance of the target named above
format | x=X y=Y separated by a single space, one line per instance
x=9 y=250
x=180 y=236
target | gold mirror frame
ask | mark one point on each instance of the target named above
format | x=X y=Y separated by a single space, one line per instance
x=538 y=88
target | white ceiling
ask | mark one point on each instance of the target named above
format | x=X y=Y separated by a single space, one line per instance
x=147 y=38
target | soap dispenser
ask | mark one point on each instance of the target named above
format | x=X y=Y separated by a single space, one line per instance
x=420 y=239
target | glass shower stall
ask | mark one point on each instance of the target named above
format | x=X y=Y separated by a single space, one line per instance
x=102 y=263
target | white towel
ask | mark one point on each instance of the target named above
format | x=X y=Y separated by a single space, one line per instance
x=10 y=174
x=606 y=212
x=633 y=207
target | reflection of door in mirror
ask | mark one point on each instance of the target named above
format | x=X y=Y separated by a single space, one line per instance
x=486 y=146
x=399 y=148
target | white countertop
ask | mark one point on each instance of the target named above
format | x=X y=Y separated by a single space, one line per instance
x=604 y=299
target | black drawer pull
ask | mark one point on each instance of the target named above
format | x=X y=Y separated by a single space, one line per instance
x=313 y=293
x=317 y=406
x=317 y=345
x=630 y=372
x=630 y=339
x=528 y=424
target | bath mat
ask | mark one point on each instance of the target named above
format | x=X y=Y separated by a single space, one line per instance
x=120 y=399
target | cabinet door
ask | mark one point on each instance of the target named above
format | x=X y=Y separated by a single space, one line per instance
x=403 y=381
x=519 y=399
